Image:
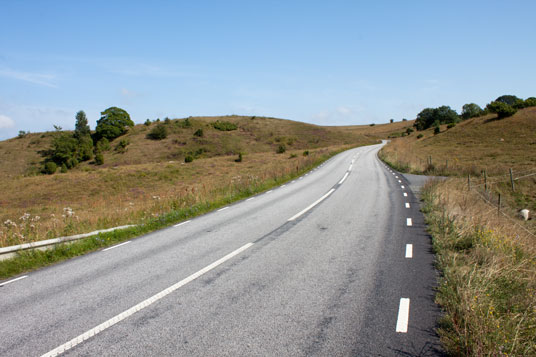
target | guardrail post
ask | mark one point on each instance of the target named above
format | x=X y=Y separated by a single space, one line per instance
x=512 y=180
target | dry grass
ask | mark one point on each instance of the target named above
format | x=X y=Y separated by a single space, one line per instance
x=41 y=207
x=488 y=283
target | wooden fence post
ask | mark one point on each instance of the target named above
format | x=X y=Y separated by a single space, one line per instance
x=469 y=182
x=499 y=206
x=512 y=180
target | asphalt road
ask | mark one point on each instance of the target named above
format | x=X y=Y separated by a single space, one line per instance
x=320 y=266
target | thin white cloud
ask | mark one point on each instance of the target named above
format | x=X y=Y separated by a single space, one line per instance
x=42 y=79
x=344 y=110
x=6 y=122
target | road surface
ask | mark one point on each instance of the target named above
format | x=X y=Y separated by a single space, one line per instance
x=334 y=263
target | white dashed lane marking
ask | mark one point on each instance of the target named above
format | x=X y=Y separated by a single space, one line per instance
x=409 y=250
x=403 y=316
x=409 y=222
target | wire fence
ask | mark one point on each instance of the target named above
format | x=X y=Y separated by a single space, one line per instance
x=486 y=188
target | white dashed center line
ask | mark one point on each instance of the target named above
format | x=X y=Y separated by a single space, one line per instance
x=409 y=222
x=251 y=198
x=407 y=204
x=312 y=205
x=405 y=194
x=343 y=178
x=402 y=187
x=409 y=250
x=403 y=316
x=79 y=339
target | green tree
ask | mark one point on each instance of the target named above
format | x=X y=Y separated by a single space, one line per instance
x=502 y=109
x=65 y=150
x=81 y=127
x=471 y=110
x=508 y=99
x=530 y=102
x=113 y=123
x=441 y=115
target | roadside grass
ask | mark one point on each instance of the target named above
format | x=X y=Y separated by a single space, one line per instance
x=487 y=262
x=168 y=211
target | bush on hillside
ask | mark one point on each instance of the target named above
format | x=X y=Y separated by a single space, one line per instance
x=420 y=136
x=530 y=102
x=437 y=130
x=147 y=122
x=451 y=125
x=99 y=158
x=113 y=123
x=122 y=146
x=471 y=110
x=224 y=125
x=159 y=132
x=239 y=159
x=50 y=168
x=103 y=145
x=184 y=123
x=429 y=116
x=281 y=149
x=199 y=133
x=502 y=109
x=409 y=131
x=188 y=158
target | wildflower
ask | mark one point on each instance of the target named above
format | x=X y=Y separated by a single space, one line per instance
x=24 y=217
x=68 y=212
x=9 y=223
x=36 y=218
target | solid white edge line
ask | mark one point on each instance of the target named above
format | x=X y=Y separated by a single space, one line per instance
x=343 y=178
x=407 y=205
x=409 y=222
x=224 y=208
x=312 y=205
x=251 y=198
x=283 y=186
x=115 y=246
x=268 y=191
x=180 y=224
x=13 y=280
x=117 y=318
x=403 y=316
x=409 y=250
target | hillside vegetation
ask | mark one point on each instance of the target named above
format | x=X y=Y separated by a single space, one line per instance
x=486 y=253
x=201 y=159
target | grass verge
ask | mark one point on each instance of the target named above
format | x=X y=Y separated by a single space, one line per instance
x=488 y=275
x=29 y=260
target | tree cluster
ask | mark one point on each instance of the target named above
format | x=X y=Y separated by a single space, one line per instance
x=71 y=148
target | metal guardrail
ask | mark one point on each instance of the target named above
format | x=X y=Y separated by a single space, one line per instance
x=10 y=252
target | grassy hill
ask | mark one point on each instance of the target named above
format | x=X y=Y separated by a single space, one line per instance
x=149 y=178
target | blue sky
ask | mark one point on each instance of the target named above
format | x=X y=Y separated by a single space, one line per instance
x=322 y=62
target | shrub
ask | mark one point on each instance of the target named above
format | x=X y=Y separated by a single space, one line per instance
x=437 y=130
x=451 y=125
x=224 y=125
x=199 y=132
x=64 y=150
x=63 y=168
x=391 y=121
x=50 y=168
x=22 y=134
x=239 y=159
x=99 y=158
x=147 y=122
x=184 y=123
x=103 y=145
x=420 y=136
x=188 y=158
x=372 y=124
x=122 y=146
x=508 y=99
x=167 y=120
x=409 y=131
x=530 y=102
x=159 y=132
x=292 y=156
x=404 y=119
x=502 y=109
x=306 y=153
x=281 y=149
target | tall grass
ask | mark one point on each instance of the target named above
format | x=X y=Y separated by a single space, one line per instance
x=488 y=275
